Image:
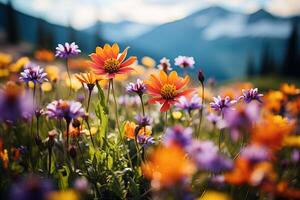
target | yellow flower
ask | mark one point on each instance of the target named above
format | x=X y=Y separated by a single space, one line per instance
x=75 y=84
x=17 y=66
x=46 y=87
x=138 y=70
x=176 y=114
x=4 y=72
x=52 y=72
x=148 y=62
x=292 y=141
x=214 y=195
x=129 y=129
x=63 y=195
x=93 y=131
x=5 y=59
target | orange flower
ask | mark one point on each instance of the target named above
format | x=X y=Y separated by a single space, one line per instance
x=44 y=55
x=272 y=131
x=240 y=174
x=289 y=89
x=166 y=89
x=167 y=166
x=129 y=129
x=107 y=61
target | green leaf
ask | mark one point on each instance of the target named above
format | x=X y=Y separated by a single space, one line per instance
x=63 y=177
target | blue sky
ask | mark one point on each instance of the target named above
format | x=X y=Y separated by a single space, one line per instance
x=84 y=13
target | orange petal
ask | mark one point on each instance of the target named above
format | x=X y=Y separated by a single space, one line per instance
x=100 y=53
x=181 y=83
x=129 y=61
x=108 y=51
x=115 y=50
x=163 y=77
x=172 y=78
x=123 y=55
x=155 y=82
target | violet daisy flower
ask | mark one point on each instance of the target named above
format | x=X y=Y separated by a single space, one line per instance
x=189 y=104
x=255 y=153
x=164 y=64
x=139 y=87
x=145 y=140
x=185 y=62
x=250 y=95
x=220 y=104
x=143 y=121
x=67 y=50
x=205 y=155
x=178 y=136
x=63 y=109
x=34 y=73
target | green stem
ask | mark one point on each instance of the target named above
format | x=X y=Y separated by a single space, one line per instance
x=88 y=125
x=69 y=76
x=49 y=157
x=201 y=111
x=118 y=124
x=89 y=100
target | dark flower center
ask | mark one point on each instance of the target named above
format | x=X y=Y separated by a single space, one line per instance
x=168 y=91
x=111 y=65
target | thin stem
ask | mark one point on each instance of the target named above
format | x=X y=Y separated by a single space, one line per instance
x=88 y=125
x=89 y=100
x=69 y=76
x=33 y=102
x=142 y=103
x=108 y=91
x=201 y=110
x=68 y=124
x=49 y=157
x=118 y=124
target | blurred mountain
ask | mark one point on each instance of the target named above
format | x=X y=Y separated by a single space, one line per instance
x=220 y=40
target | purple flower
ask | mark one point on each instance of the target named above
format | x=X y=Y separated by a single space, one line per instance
x=189 y=104
x=145 y=140
x=221 y=104
x=295 y=156
x=250 y=95
x=164 y=64
x=216 y=120
x=34 y=73
x=65 y=109
x=205 y=155
x=178 y=135
x=185 y=62
x=67 y=50
x=81 y=184
x=14 y=104
x=143 y=120
x=30 y=188
x=241 y=119
x=255 y=153
x=139 y=87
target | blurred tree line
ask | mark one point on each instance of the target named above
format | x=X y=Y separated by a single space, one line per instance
x=291 y=62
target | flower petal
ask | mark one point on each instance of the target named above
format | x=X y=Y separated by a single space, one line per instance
x=129 y=61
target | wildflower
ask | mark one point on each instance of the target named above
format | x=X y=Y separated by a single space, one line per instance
x=44 y=55
x=130 y=130
x=46 y=87
x=213 y=118
x=81 y=184
x=255 y=153
x=30 y=188
x=271 y=131
x=107 y=61
x=162 y=174
x=189 y=104
x=60 y=109
x=178 y=136
x=214 y=195
x=220 y=104
x=292 y=141
x=164 y=65
x=34 y=73
x=176 y=114
x=166 y=89
x=251 y=95
x=145 y=140
x=241 y=119
x=185 y=62
x=148 y=62
x=21 y=62
x=63 y=195
x=205 y=155
x=201 y=76
x=52 y=72
x=289 y=89
x=72 y=82
x=273 y=101
x=67 y=50
x=143 y=120
x=14 y=104
x=87 y=78
x=139 y=87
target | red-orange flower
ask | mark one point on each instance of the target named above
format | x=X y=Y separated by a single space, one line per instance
x=107 y=61
x=166 y=89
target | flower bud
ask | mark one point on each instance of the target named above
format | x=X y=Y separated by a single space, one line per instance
x=201 y=76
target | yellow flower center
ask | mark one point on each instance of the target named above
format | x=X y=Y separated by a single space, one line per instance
x=168 y=91
x=111 y=65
